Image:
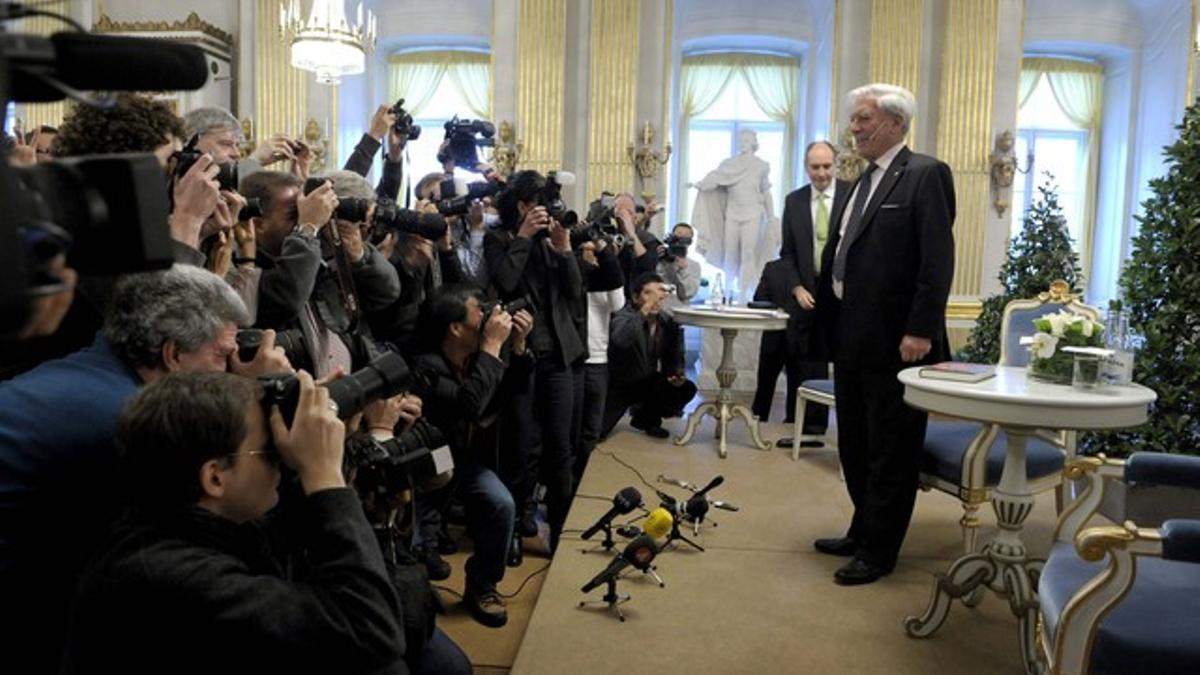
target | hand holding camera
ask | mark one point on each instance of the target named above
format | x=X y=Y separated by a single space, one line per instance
x=275 y=149
x=196 y=195
x=496 y=328
x=352 y=240
x=383 y=415
x=383 y=119
x=313 y=444
x=522 y=324
x=316 y=207
x=535 y=220
x=269 y=359
x=560 y=237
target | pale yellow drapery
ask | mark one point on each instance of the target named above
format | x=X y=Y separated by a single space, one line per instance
x=772 y=83
x=417 y=75
x=1078 y=89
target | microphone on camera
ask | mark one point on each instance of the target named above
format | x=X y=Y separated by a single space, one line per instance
x=639 y=553
x=624 y=502
x=41 y=67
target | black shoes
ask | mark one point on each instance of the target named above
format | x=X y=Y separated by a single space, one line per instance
x=515 y=555
x=656 y=430
x=843 y=546
x=859 y=571
x=438 y=569
x=486 y=606
x=527 y=524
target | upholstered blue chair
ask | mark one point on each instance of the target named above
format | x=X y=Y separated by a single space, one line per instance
x=1139 y=610
x=965 y=459
x=809 y=391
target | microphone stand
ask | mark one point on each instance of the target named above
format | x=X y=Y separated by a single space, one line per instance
x=677 y=535
x=605 y=546
x=611 y=599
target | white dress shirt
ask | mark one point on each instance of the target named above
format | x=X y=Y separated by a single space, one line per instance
x=881 y=169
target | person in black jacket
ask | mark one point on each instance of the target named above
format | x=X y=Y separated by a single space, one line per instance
x=186 y=581
x=777 y=350
x=531 y=257
x=645 y=362
x=463 y=403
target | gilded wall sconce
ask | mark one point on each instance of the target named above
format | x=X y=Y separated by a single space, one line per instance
x=1002 y=167
x=508 y=152
x=648 y=160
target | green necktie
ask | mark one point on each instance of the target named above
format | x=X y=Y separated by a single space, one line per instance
x=822 y=227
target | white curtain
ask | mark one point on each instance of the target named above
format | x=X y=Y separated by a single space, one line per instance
x=417 y=75
x=771 y=81
x=1077 y=88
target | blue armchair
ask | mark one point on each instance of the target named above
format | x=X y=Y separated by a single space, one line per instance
x=1139 y=612
x=965 y=459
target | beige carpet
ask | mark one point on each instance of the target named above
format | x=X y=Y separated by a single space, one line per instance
x=759 y=600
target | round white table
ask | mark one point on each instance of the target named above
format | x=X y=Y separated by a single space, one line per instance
x=729 y=319
x=1020 y=407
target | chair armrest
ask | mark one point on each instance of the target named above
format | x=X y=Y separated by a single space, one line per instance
x=1094 y=471
x=1181 y=540
x=1161 y=469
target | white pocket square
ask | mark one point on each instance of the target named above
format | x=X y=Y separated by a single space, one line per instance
x=891 y=206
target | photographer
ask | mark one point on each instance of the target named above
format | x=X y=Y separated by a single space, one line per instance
x=383 y=123
x=218 y=133
x=467 y=230
x=676 y=268
x=645 y=357
x=57 y=459
x=185 y=569
x=605 y=296
x=530 y=256
x=639 y=254
x=300 y=291
x=469 y=367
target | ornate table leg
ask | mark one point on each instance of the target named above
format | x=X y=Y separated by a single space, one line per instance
x=1001 y=565
x=752 y=422
x=708 y=408
x=726 y=374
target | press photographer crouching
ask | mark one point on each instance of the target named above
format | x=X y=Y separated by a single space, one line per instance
x=57 y=456
x=312 y=287
x=530 y=256
x=186 y=569
x=645 y=358
x=467 y=371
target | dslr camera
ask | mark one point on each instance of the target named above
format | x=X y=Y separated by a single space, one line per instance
x=512 y=307
x=295 y=348
x=452 y=204
x=419 y=457
x=227 y=174
x=465 y=138
x=387 y=216
x=403 y=125
x=384 y=377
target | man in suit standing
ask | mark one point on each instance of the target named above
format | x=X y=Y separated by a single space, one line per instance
x=805 y=233
x=885 y=279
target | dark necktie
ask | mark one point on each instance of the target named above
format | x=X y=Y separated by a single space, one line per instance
x=860 y=205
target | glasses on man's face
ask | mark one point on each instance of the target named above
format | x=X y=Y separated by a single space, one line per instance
x=271 y=455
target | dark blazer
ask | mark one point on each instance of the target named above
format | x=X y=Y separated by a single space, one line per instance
x=630 y=359
x=898 y=268
x=797 y=249
x=775 y=286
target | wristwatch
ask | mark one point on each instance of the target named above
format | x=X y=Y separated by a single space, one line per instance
x=308 y=231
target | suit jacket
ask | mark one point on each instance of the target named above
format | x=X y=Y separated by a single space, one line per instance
x=797 y=249
x=630 y=355
x=775 y=287
x=898 y=268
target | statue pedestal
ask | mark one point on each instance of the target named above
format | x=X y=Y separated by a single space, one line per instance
x=745 y=359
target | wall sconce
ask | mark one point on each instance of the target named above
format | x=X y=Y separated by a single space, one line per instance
x=248 y=143
x=1002 y=168
x=848 y=165
x=646 y=160
x=318 y=145
x=508 y=151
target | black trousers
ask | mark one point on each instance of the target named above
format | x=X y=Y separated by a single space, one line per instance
x=774 y=356
x=652 y=399
x=879 y=443
x=595 y=390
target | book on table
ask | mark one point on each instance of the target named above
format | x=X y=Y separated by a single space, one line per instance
x=958 y=371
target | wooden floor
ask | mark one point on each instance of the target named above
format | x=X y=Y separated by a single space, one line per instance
x=759 y=599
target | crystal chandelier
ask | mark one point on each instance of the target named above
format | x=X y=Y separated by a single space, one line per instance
x=327 y=44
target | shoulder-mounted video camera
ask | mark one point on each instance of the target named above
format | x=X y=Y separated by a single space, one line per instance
x=403 y=125
x=465 y=138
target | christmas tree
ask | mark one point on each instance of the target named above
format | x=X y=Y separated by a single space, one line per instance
x=1160 y=287
x=1040 y=254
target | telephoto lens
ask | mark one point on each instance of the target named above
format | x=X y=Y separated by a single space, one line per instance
x=384 y=377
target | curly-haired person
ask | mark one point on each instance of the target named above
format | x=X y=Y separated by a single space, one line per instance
x=135 y=124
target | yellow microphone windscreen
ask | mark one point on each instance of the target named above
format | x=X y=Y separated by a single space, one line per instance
x=658 y=523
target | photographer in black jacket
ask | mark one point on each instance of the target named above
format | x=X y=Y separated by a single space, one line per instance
x=468 y=370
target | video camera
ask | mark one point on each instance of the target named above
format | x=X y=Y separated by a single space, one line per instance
x=463 y=144
x=677 y=247
x=387 y=216
x=452 y=204
x=110 y=210
x=403 y=125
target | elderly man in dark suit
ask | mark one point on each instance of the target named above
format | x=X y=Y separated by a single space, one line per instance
x=885 y=279
x=806 y=218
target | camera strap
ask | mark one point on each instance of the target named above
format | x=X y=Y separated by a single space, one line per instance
x=343 y=274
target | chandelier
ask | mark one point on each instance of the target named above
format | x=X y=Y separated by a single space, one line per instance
x=327 y=44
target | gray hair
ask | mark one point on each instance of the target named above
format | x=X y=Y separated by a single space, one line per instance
x=895 y=101
x=349 y=185
x=204 y=120
x=186 y=305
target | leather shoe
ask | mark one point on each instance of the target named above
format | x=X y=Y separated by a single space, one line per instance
x=843 y=546
x=785 y=442
x=859 y=571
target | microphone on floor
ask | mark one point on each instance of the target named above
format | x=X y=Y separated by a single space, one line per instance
x=639 y=553
x=624 y=502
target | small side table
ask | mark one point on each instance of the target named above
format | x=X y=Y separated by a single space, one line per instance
x=729 y=320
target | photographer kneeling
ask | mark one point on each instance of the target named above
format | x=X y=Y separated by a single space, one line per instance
x=645 y=358
x=468 y=370
x=185 y=570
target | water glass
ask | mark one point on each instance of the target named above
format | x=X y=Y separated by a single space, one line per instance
x=1086 y=374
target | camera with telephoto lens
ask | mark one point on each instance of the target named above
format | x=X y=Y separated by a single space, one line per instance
x=383 y=377
x=387 y=215
x=452 y=204
x=252 y=209
x=227 y=174
x=403 y=125
x=295 y=348
x=463 y=144
x=512 y=307
x=677 y=247
x=418 y=457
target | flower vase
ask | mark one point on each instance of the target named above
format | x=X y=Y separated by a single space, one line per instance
x=1056 y=369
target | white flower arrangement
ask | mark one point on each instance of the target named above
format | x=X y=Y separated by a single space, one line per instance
x=1056 y=333
x=1067 y=325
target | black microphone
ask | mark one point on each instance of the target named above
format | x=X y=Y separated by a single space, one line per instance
x=711 y=484
x=624 y=502
x=90 y=62
x=639 y=553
